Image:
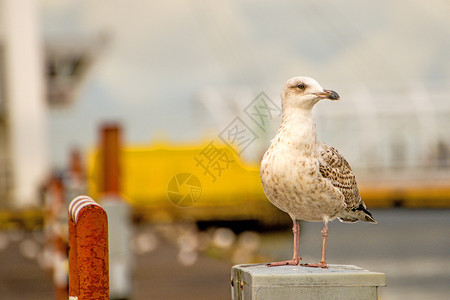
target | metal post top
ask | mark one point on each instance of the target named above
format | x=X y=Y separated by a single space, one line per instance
x=78 y=203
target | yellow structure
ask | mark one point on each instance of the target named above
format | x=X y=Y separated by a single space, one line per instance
x=209 y=181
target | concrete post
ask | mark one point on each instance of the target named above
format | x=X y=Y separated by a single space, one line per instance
x=257 y=281
x=119 y=214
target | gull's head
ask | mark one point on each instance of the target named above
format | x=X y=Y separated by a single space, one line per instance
x=304 y=92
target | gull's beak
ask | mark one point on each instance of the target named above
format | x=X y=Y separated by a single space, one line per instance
x=332 y=95
x=328 y=94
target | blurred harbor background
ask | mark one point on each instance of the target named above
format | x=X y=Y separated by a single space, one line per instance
x=189 y=91
x=180 y=261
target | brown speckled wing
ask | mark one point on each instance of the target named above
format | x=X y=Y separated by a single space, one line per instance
x=335 y=168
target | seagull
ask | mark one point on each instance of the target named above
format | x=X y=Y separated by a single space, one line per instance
x=304 y=177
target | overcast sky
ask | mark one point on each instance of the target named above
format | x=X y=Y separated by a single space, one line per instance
x=162 y=54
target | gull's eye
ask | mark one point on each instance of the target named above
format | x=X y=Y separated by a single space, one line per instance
x=301 y=86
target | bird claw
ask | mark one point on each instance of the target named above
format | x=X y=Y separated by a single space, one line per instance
x=322 y=265
x=292 y=262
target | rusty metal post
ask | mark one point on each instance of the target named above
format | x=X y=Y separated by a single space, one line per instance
x=74 y=177
x=60 y=249
x=88 y=250
x=110 y=147
x=55 y=247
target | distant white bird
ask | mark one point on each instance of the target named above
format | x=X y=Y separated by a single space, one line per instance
x=306 y=178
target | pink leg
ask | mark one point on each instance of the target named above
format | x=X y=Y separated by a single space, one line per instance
x=323 y=261
x=295 y=257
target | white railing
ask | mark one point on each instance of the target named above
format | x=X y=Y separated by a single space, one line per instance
x=391 y=129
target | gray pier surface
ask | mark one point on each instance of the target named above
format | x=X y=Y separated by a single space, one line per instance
x=257 y=281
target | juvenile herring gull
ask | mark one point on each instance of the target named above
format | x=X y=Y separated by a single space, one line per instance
x=306 y=178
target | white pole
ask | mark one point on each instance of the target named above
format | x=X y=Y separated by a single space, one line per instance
x=26 y=108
